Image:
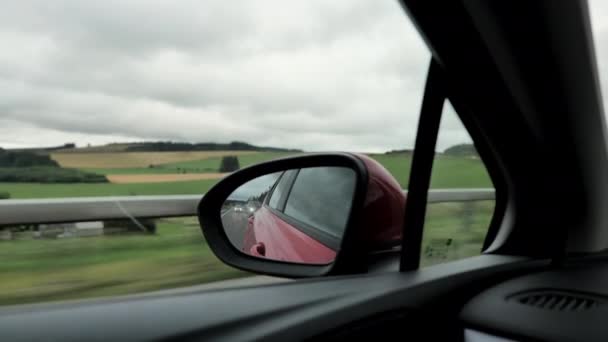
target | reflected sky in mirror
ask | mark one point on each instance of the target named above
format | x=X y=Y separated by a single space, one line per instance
x=254 y=187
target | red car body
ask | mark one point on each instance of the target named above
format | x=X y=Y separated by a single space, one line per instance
x=269 y=236
x=278 y=240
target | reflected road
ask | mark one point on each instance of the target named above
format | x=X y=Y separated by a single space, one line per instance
x=235 y=224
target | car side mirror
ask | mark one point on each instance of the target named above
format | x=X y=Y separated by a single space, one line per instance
x=308 y=215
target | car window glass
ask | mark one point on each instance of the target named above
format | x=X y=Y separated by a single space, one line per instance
x=280 y=190
x=598 y=11
x=164 y=99
x=321 y=198
x=461 y=199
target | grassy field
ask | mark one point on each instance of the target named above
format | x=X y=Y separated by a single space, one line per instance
x=134 y=171
x=134 y=159
x=207 y=164
x=455 y=231
x=34 y=190
x=164 y=177
x=448 y=172
x=43 y=270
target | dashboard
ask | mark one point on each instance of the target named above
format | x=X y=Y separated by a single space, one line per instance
x=569 y=303
x=486 y=298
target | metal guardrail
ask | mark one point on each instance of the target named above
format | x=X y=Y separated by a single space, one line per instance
x=80 y=209
x=77 y=209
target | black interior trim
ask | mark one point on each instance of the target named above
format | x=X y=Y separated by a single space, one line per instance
x=581 y=282
x=525 y=89
x=422 y=166
x=292 y=174
x=274 y=186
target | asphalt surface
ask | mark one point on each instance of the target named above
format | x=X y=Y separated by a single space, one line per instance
x=235 y=224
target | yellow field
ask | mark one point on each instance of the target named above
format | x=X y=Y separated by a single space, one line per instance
x=115 y=160
x=163 y=178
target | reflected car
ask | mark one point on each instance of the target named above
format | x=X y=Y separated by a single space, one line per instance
x=283 y=228
x=252 y=206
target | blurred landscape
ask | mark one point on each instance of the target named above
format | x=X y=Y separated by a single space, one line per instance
x=35 y=269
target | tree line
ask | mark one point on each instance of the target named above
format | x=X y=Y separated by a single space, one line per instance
x=25 y=159
x=169 y=146
x=29 y=167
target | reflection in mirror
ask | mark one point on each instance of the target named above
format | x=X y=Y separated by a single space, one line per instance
x=296 y=216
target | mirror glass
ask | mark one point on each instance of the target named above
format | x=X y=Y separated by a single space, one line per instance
x=296 y=216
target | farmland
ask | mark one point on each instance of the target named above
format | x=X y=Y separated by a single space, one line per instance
x=134 y=159
x=164 y=178
x=448 y=172
x=197 y=164
x=35 y=190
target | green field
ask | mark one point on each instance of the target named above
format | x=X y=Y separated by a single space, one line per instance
x=448 y=172
x=211 y=164
x=35 y=190
x=43 y=270
x=455 y=231
x=133 y=171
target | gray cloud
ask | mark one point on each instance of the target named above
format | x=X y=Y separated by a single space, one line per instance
x=317 y=75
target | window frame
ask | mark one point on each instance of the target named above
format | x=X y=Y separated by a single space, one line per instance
x=283 y=196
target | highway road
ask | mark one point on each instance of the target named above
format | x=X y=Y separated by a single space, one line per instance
x=235 y=224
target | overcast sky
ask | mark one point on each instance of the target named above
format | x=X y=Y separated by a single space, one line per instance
x=315 y=75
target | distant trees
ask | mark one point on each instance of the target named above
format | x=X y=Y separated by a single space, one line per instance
x=229 y=164
x=259 y=198
x=25 y=159
x=166 y=146
x=404 y=151
x=30 y=167
x=461 y=150
x=45 y=174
